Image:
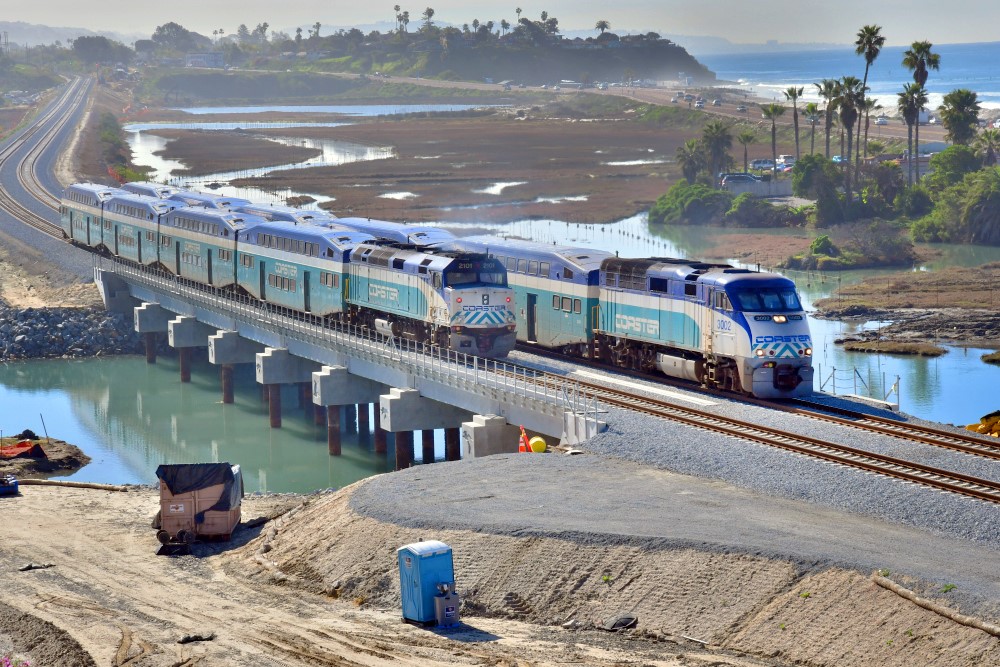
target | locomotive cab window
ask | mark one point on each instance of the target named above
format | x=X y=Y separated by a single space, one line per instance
x=769 y=300
x=659 y=285
x=721 y=301
x=690 y=289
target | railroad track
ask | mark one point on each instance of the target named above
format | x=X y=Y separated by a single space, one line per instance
x=38 y=138
x=958 y=442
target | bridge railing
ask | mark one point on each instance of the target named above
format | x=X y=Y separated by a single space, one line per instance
x=484 y=376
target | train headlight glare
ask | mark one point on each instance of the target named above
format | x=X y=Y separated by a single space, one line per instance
x=780 y=319
x=760 y=352
x=809 y=351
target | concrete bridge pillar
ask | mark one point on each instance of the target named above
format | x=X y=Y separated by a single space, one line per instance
x=488 y=434
x=452 y=444
x=335 y=386
x=403 y=411
x=150 y=319
x=184 y=333
x=404 y=449
x=427 y=445
x=226 y=349
x=275 y=367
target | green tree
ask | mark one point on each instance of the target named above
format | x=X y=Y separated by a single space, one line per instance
x=174 y=37
x=988 y=144
x=690 y=204
x=602 y=25
x=811 y=113
x=827 y=89
x=868 y=44
x=98 y=49
x=849 y=103
x=691 y=158
x=792 y=93
x=772 y=112
x=746 y=137
x=717 y=140
x=950 y=166
x=960 y=114
x=426 y=17
x=919 y=59
x=909 y=102
x=871 y=105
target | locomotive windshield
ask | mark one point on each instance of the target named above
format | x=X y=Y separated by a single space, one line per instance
x=768 y=300
x=465 y=272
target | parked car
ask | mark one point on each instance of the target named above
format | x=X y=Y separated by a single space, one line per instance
x=762 y=164
x=786 y=160
x=996 y=123
x=674 y=100
x=881 y=120
x=837 y=159
x=716 y=103
x=742 y=108
x=733 y=179
x=700 y=104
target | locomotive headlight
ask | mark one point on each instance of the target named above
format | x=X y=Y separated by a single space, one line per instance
x=779 y=319
x=809 y=352
x=759 y=352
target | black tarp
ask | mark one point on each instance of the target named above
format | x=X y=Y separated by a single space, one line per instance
x=186 y=477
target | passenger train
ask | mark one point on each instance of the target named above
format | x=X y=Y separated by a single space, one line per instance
x=454 y=299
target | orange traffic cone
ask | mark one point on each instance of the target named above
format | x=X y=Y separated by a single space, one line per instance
x=523 y=445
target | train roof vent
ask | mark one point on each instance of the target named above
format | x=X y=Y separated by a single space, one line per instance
x=735 y=270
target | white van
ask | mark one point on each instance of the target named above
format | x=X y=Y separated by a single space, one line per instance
x=786 y=160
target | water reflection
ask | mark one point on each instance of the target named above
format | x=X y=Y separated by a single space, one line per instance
x=129 y=417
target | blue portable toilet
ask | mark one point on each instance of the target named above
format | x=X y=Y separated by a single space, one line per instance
x=426 y=572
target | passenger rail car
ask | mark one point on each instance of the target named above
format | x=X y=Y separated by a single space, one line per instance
x=276 y=212
x=150 y=189
x=555 y=288
x=200 y=244
x=456 y=300
x=81 y=212
x=190 y=198
x=302 y=267
x=726 y=327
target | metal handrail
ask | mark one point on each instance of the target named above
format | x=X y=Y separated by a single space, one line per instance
x=415 y=359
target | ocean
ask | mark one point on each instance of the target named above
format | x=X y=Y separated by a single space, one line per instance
x=767 y=75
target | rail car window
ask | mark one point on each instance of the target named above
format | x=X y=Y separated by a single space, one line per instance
x=423 y=266
x=246 y=260
x=532 y=268
x=512 y=264
x=721 y=301
x=328 y=279
x=165 y=241
x=543 y=269
x=690 y=289
x=522 y=266
x=398 y=263
x=659 y=285
x=150 y=236
x=225 y=255
x=577 y=306
x=769 y=300
x=568 y=273
x=555 y=302
x=567 y=304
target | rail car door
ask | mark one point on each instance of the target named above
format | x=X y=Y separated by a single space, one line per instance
x=177 y=258
x=115 y=232
x=209 y=253
x=531 y=316
x=138 y=243
x=306 y=306
x=263 y=280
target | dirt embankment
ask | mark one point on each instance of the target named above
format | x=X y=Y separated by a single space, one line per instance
x=319 y=585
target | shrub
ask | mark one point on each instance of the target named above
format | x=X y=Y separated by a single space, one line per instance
x=695 y=204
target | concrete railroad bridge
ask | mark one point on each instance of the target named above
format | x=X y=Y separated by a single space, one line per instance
x=479 y=403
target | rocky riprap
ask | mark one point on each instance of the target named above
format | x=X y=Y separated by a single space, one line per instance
x=34 y=333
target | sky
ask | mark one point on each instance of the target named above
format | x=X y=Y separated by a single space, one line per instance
x=739 y=21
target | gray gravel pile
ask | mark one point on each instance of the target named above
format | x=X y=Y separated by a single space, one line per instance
x=34 y=333
x=690 y=451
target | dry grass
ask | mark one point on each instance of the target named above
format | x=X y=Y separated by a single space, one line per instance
x=891 y=347
x=955 y=287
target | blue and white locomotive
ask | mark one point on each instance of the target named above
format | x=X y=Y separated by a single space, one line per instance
x=450 y=299
x=725 y=327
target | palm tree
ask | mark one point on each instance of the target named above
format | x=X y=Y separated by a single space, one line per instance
x=518 y=12
x=849 y=104
x=794 y=94
x=827 y=89
x=909 y=104
x=772 y=112
x=960 y=115
x=602 y=25
x=746 y=137
x=811 y=113
x=869 y=44
x=691 y=158
x=717 y=140
x=395 y=8
x=988 y=144
x=870 y=106
x=918 y=59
